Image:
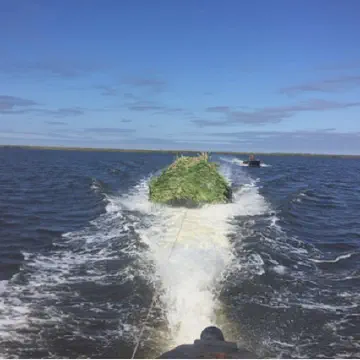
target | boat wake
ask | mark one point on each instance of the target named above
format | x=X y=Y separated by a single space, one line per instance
x=190 y=249
x=231 y=265
x=95 y=285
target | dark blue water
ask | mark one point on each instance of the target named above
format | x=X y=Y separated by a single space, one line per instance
x=75 y=279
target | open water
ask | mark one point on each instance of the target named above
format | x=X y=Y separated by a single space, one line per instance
x=83 y=252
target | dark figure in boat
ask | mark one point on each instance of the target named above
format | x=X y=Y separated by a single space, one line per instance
x=211 y=345
x=252 y=162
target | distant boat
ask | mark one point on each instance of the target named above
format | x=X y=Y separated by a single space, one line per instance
x=252 y=162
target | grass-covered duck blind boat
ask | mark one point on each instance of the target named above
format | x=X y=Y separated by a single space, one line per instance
x=190 y=181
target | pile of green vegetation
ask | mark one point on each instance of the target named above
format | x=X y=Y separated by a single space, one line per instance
x=190 y=181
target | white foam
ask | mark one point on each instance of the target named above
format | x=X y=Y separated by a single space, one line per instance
x=280 y=269
x=340 y=257
x=53 y=277
x=95 y=185
x=320 y=306
x=199 y=255
x=3 y=284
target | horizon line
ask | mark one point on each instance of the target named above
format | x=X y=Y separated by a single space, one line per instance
x=102 y=149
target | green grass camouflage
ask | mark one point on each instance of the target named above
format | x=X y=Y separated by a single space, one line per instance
x=191 y=180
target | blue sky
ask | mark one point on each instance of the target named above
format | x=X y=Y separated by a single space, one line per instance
x=226 y=75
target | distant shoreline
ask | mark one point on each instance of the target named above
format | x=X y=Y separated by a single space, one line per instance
x=65 y=148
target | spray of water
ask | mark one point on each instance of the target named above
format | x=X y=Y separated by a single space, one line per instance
x=199 y=249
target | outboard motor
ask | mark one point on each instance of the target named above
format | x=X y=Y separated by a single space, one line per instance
x=211 y=345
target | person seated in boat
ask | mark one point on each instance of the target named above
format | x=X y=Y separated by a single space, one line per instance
x=211 y=345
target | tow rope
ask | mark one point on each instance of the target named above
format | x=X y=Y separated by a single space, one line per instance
x=153 y=301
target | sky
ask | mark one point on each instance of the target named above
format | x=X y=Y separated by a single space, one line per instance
x=217 y=75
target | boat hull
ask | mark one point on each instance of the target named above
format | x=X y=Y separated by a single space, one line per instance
x=252 y=163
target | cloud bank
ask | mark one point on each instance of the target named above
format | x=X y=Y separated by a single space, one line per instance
x=268 y=115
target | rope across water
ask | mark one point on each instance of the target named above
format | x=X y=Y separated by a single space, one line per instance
x=137 y=344
x=153 y=301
